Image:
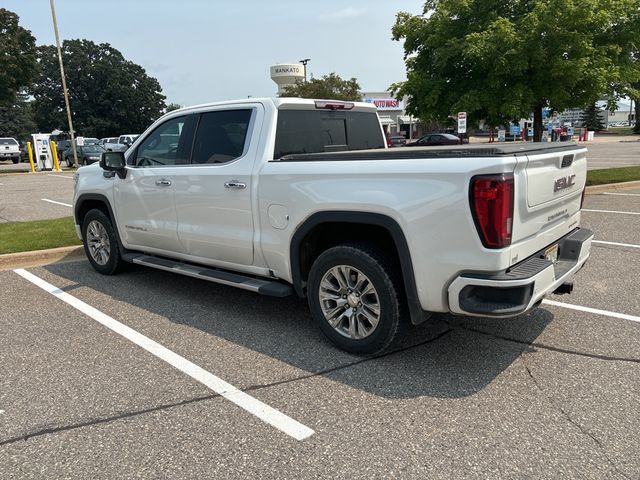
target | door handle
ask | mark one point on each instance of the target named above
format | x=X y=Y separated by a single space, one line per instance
x=235 y=184
x=163 y=182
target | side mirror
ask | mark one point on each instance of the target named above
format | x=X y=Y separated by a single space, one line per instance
x=114 y=162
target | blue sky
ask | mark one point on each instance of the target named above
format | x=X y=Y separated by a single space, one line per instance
x=209 y=50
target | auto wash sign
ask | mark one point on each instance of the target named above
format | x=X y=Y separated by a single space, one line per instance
x=386 y=103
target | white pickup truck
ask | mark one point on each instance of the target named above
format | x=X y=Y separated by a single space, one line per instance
x=283 y=196
x=9 y=149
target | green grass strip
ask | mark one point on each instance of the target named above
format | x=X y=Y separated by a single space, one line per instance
x=613 y=175
x=37 y=235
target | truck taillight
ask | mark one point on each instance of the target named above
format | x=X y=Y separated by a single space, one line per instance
x=491 y=198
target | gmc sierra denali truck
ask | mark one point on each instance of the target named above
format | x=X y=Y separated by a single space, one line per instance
x=283 y=196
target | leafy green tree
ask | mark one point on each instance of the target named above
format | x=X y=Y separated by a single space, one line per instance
x=329 y=87
x=591 y=118
x=501 y=60
x=171 y=107
x=18 y=65
x=109 y=95
x=16 y=118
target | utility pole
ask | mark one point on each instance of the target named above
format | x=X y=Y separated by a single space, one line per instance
x=64 y=85
x=304 y=62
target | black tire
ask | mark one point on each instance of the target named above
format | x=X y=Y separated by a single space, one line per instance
x=114 y=262
x=15 y=160
x=383 y=275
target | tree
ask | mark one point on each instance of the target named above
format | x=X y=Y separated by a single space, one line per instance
x=591 y=118
x=171 y=107
x=329 y=87
x=500 y=61
x=109 y=95
x=16 y=118
x=17 y=57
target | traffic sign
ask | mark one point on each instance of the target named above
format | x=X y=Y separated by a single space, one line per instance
x=514 y=130
x=502 y=134
x=462 y=122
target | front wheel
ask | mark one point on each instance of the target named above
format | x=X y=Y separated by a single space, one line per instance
x=101 y=243
x=355 y=297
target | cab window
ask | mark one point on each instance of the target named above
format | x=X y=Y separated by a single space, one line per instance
x=169 y=144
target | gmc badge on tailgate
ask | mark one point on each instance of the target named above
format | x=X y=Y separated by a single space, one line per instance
x=564 y=182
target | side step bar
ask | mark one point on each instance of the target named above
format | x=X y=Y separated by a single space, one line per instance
x=265 y=287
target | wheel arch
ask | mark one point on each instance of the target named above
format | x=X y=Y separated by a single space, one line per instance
x=90 y=201
x=363 y=221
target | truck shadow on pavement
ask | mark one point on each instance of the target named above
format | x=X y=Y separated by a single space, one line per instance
x=446 y=357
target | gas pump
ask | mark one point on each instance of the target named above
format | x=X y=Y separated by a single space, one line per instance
x=42 y=151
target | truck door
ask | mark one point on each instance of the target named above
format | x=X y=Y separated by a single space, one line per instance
x=213 y=195
x=144 y=200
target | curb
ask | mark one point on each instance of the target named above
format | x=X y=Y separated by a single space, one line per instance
x=37 y=258
x=612 y=186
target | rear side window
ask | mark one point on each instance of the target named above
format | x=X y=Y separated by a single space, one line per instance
x=315 y=131
x=221 y=136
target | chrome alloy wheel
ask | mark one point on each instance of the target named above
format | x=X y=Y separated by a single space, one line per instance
x=98 y=242
x=349 y=302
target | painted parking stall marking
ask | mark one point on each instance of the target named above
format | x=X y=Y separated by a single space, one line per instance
x=616 y=244
x=597 y=311
x=252 y=405
x=622 y=194
x=610 y=211
x=57 y=203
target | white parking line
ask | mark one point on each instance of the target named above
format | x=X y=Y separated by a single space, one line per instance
x=60 y=176
x=610 y=211
x=623 y=194
x=57 y=203
x=606 y=313
x=631 y=245
x=252 y=405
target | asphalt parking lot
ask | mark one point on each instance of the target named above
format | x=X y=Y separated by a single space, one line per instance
x=86 y=393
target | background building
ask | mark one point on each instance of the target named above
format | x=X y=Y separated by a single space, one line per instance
x=392 y=114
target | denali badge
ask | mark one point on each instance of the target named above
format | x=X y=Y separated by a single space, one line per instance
x=564 y=182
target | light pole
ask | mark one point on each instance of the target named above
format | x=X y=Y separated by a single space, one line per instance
x=304 y=62
x=64 y=85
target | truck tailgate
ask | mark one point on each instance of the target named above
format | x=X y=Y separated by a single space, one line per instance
x=548 y=198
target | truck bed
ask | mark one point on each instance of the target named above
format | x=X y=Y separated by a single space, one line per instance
x=417 y=153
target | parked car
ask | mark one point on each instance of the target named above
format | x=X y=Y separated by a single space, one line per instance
x=91 y=141
x=295 y=196
x=127 y=139
x=103 y=141
x=120 y=144
x=396 y=141
x=9 y=149
x=87 y=154
x=434 y=139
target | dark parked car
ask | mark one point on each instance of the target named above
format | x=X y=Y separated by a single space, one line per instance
x=433 y=139
x=87 y=155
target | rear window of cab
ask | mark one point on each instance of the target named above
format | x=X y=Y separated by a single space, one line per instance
x=316 y=131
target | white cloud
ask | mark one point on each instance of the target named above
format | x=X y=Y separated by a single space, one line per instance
x=342 y=14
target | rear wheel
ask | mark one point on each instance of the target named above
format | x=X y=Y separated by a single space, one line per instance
x=101 y=243
x=355 y=297
x=15 y=160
